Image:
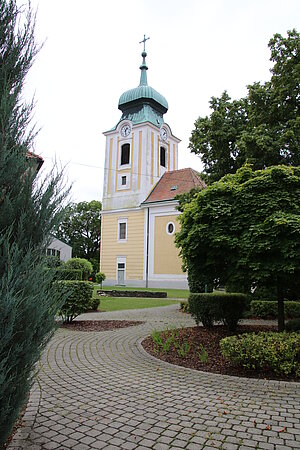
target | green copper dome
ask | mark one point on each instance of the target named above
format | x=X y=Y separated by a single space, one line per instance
x=145 y=93
x=143 y=103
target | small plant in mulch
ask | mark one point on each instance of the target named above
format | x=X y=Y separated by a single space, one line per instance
x=199 y=348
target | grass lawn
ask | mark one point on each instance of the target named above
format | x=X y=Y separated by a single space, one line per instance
x=120 y=303
x=117 y=304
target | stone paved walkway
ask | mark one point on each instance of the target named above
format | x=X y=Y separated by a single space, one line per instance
x=102 y=390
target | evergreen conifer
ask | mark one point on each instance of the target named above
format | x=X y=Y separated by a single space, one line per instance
x=30 y=208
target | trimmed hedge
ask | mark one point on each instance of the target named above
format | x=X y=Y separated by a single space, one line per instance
x=139 y=294
x=68 y=274
x=279 y=352
x=79 y=298
x=269 y=309
x=217 y=306
x=95 y=302
x=292 y=325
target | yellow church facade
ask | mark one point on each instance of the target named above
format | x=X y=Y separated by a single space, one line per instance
x=141 y=180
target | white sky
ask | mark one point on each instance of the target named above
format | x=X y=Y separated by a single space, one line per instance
x=91 y=55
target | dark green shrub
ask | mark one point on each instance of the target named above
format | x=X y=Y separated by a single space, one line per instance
x=265 y=293
x=82 y=264
x=68 y=274
x=196 y=284
x=279 y=352
x=217 y=306
x=79 y=298
x=95 y=302
x=293 y=325
x=269 y=309
x=100 y=277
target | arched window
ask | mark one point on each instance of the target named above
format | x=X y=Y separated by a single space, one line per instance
x=125 y=154
x=163 y=156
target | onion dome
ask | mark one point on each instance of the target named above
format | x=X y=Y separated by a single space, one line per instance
x=143 y=103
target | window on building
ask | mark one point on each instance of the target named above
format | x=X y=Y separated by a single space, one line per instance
x=163 y=156
x=125 y=154
x=123 y=181
x=170 y=228
x=122 y=230
x=48 y=251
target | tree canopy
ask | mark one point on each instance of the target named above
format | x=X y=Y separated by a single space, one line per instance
x=81 y=228
x=263 y=128
x=244 y=230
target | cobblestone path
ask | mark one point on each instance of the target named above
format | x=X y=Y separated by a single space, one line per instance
x=102 y=390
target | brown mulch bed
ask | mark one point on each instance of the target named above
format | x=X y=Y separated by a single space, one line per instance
x=99 y=325
x=210 y=338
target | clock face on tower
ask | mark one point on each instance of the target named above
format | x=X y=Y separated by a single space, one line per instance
x=163 y=134
x=125 y=130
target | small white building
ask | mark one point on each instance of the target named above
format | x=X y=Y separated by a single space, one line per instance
x=59 y=249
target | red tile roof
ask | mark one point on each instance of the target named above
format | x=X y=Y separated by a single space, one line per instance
x=39 y=160
x=174 y=183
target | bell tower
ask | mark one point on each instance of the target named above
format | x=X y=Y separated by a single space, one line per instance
x=140 y=148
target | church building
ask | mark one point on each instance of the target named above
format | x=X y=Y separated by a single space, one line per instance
x=141 y=180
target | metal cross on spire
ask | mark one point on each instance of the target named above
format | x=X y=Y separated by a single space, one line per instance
x=144 y=40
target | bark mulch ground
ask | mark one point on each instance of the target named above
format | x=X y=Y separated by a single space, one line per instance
x=99 y=325
x=199 y=337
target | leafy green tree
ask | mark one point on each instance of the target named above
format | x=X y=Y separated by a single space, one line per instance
x=215 y=138
x=244 y=231
x=30 y=208
x=264 y=127
x=81 y=228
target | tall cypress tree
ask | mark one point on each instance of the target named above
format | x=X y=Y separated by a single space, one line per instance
x=30 y=209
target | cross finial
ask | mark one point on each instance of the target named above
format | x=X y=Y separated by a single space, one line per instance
x=144 y=40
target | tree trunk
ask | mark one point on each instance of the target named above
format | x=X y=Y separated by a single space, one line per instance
x=280 y=298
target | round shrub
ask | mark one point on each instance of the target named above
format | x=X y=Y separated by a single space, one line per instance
x=79 y=298
x=100 y=277
x=279 y=352
x=82 y=264
x=217 y=306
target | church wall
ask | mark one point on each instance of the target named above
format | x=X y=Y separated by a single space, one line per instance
x=164 y=261
x=166 y=258
x=132 y=249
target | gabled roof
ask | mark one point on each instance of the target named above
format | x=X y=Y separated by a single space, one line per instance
x=174 y=183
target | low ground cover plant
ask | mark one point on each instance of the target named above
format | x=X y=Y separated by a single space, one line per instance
x=266 y=309
x=218 y=306
x=79 y=298
x=169 y=340
x=278 y=352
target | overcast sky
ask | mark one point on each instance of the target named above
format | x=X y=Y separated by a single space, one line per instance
x=91 y=55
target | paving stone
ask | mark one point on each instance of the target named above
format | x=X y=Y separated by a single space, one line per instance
x=102 y=391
